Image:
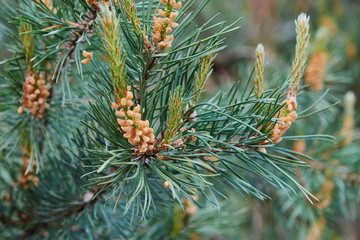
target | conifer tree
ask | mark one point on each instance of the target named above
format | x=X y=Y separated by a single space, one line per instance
x=106 y=132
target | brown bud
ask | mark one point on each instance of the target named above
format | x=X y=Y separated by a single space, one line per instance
x=20 y=110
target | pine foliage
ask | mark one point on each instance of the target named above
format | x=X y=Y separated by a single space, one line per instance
x=106 y=132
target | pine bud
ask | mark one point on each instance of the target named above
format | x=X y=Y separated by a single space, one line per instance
x=175 y=113
x=302 y=43
x=88 y=56
x=28 y=43
x=315 y=71
x=20 y=110
x=259 y=71
x=109 y=30
x=349 y=118
x=205 y=68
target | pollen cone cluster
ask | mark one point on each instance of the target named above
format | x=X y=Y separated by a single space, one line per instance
x=299 y=146
x=325 y=195
x=35 y=94
x=135 y=130
x=317 y=229
x=190 y=207
x=26 y=180
x=287 y=117
x=315 y=71
x=165 y=24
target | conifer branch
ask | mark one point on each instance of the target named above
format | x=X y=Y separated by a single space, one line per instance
x=84 y=25
x=152 y=144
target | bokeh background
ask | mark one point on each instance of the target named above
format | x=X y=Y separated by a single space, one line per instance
x=271 y=22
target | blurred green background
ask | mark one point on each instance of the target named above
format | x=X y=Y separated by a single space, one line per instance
x=271 y=22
